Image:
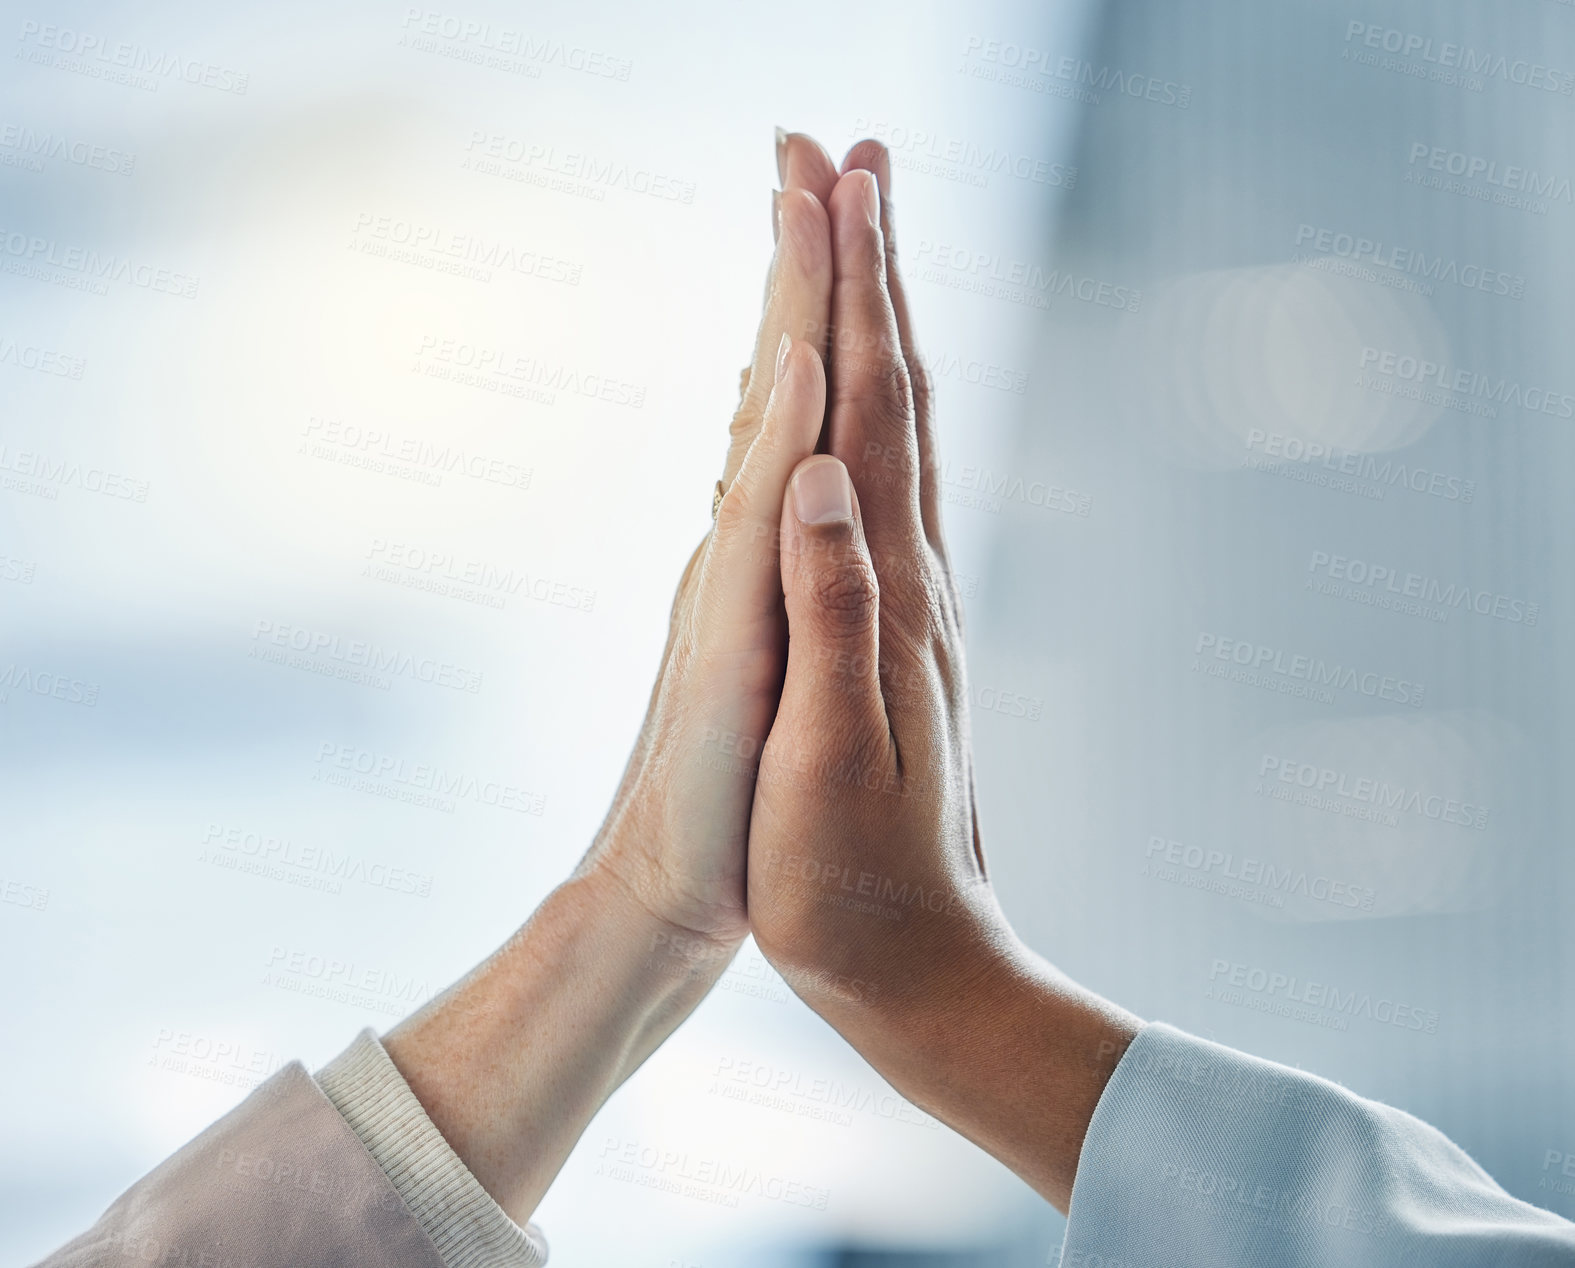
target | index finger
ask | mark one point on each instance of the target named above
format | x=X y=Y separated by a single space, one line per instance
x=798 y=288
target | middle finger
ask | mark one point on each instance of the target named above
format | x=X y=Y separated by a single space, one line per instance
x=872 y=412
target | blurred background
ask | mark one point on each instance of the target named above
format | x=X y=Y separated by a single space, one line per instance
x=364 y=374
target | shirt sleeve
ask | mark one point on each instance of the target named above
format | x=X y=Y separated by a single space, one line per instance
x=342 y=1170
x=469 y=1229
x=1201 y=1155
x=281 y=1181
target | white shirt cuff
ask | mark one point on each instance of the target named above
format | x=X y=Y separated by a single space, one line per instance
x=469 y=1229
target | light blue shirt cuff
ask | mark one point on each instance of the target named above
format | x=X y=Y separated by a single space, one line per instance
x=1201 y=1155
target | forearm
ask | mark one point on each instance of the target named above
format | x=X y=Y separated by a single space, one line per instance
x=513 y=1062
x=1009 y=1052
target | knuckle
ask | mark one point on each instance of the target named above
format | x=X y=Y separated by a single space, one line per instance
x=864 y=752
x=874 y=265
x=883 y=399
x=944 y=616
x=896 y=383
x=834 y=751
x=847 y=593
x=889 y=235
x=743 y=536
x=916 y=625
x=865 y=348
x=732 y=516
x=746 y=419
x=807 y=231
x=921 y=386
x=859 y=260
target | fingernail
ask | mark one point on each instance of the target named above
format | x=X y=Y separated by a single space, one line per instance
x=782 y=350
x=776 y=215
x=872 y=198
x=781 y=156
x=822 y=493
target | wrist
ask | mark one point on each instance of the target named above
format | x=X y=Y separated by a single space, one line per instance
x=665 y=957
x=692 y=893
x=513 y=1061
x=1006 y=1050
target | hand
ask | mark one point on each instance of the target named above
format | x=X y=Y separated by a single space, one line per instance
x=866 y=868
x=512 y=1062
x=868 y=888
x=675 y=835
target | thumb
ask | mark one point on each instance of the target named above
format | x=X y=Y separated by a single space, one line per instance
x=832 y=710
